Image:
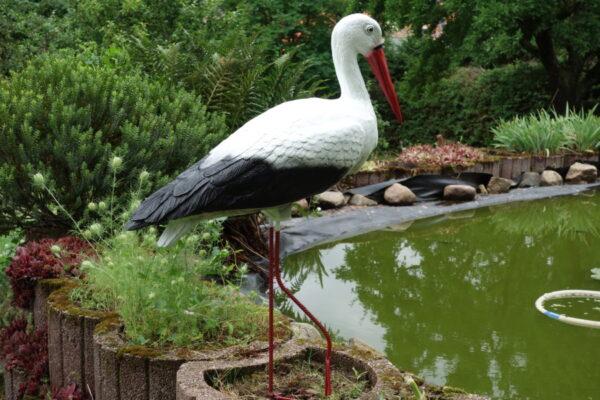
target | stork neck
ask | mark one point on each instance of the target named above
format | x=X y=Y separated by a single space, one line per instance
x=348 y=73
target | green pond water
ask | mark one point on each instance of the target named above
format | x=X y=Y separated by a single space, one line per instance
x=452 y=298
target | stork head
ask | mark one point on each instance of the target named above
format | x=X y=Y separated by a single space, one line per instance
x=362 y=34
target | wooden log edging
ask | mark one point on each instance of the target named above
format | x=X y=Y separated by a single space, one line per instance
x=503 y=168
x=70 y=340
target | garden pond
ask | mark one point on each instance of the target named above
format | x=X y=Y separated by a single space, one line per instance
x=451 y=298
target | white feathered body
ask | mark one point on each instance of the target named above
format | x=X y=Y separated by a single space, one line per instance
x=304 y=133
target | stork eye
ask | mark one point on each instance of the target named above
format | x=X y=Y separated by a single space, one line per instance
x=369 y=29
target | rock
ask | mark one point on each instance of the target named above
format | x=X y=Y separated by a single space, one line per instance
x=582 y=173
x=459 y=193
x=330 y=199
x=530 y=179
x=360 y=200
x=551 y=178
x=399 y=194
x=305 y=331
x=360 y=345
x=299 y=207
x=482 y=189
x=499 y=185
x=347 y=197
x=399 y=227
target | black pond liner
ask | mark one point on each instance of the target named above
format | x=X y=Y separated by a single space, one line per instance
x=301 y=234
x=425 y=187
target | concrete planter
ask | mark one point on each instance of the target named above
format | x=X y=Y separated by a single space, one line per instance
x=42 y=291
x=125 y=372
x=193 y=378
x=70 y=340
x=12 y=380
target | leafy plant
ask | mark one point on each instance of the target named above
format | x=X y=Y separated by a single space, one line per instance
x=66 y=116
x=453 y=154
x=161 y=296
x=242 y=83
x=581 y=129
x=8 y=245
x=535 y=134
x=45 y=259
x=27 y=351
x=546 y=132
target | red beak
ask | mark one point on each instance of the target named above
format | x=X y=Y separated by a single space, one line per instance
x=379 y=66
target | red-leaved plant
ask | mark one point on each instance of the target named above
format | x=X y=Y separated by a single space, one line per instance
x=28 y=352
x=452 y=154
x=37 y=260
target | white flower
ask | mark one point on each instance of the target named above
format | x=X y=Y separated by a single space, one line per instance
x=144 y=175
x=151 y=295
x=205 y=236
x=86 y=264
x=96 y=229
x=191 y=240
x=38 y=179
x=116 y=163
x=92 y=206
x=55 y=249
x=102 y=206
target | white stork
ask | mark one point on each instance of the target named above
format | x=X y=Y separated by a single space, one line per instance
x=291 y=151
x=294 y=150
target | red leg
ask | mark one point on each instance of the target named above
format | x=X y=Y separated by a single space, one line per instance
x=275 y=259
x=271 y=304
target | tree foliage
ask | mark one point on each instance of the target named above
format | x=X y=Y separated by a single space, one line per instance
x=561 y=35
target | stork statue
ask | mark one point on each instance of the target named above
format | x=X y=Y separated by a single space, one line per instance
x=291 y=151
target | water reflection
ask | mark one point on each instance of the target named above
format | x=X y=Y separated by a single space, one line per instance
x=453 y=300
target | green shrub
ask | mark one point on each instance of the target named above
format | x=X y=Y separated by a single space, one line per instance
x=30 y=27
x=65 y=117
x=464 y=106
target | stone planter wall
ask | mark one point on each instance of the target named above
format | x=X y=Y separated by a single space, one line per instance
x=70 y=340
x=12 y=381
x=384 y=379
x=138 y=373
x=42 y=291
x=504 y=168
x=193 y=376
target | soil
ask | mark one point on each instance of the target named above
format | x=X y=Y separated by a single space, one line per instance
x=297 y=379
